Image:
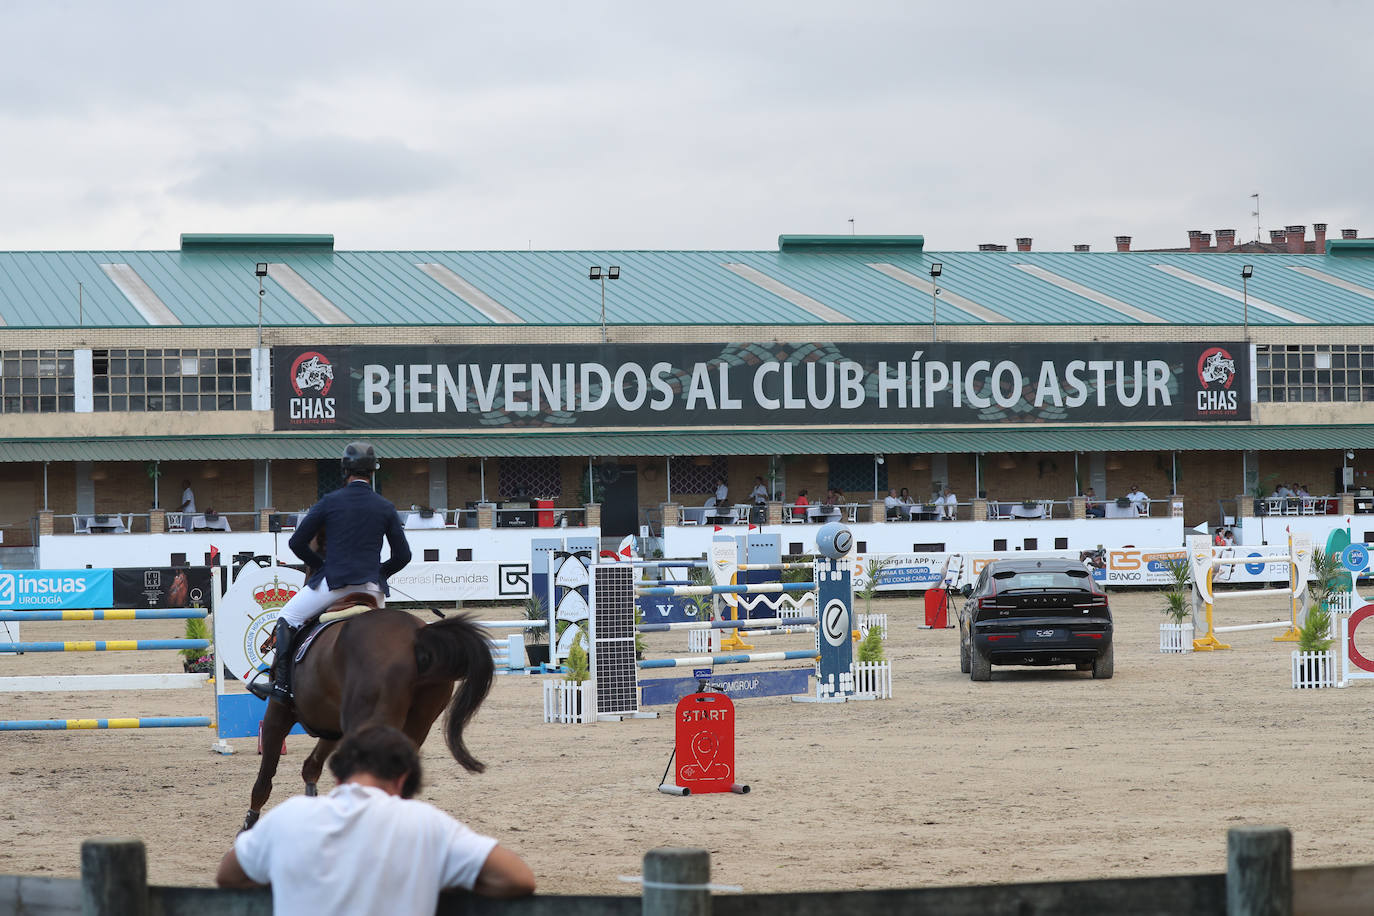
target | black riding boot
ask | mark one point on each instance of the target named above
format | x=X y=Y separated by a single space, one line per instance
x=280 y=686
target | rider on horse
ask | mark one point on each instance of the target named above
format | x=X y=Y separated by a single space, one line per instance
x=356 y=519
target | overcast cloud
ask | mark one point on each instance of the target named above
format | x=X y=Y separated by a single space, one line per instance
x=434 y=125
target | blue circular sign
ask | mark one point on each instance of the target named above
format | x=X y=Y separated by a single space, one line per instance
x=1255 y=569
x=1355 y=557
x=834 y=540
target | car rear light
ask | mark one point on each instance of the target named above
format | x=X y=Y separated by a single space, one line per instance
x=988 y=603
x=1091 y=635
x=1092 y=603
x=993 y=637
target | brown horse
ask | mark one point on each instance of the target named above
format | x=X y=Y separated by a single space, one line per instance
x=382 y=667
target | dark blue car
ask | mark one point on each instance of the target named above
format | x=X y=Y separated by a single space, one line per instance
x=1035 y=612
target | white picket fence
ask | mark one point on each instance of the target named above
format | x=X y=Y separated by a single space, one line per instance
x=1176 y=637
x=867 y=621
x=700 y=640
x=566 y=701
x=1314 y=669
x=873 y=678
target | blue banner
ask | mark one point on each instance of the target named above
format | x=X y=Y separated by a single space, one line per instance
x=745 y=684
x=56 y=589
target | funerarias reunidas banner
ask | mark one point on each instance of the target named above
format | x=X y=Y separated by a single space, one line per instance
x=493 y=386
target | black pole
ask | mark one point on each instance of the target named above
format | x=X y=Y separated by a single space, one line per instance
x=675 y=882
x=114 y=877
x=1259 y=871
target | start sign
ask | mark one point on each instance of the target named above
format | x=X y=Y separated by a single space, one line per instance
x=705 y=745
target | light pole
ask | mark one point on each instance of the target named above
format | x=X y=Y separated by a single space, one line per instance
x=610 y=273
x=935 y=270
x=261 y=270
x=1246 y=272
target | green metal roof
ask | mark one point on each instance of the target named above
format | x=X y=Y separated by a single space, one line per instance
x=210 y=282
x=787 y=441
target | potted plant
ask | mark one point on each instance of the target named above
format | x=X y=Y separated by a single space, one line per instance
x=199 y=661
x=536 y=640
x=565 y=699
x=1313 y=661
x=1177 y=634
x=873 y=672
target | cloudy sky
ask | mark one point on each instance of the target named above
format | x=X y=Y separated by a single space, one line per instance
x=598 y=125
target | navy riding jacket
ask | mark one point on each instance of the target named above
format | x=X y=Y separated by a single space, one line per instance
x=355 y=519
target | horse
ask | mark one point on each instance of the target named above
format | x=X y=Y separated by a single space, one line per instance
x=380 y=667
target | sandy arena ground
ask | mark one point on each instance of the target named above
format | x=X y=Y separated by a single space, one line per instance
x=1041 y=774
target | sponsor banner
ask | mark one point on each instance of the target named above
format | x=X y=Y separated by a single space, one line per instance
x=787 y=682
x=1127 y=566
x=460 y=582
x=165 y=587
x=732 y=384
x=248 y=614
x=55 y=589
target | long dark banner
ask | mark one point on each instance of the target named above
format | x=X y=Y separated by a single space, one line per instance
x=647 y=385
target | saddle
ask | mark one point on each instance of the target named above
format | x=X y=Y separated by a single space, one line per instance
x=350 y=605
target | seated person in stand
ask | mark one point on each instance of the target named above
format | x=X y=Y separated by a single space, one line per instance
x=1095 y=509
x=1139 y=500
x=893 y=504
x=759 y=495
x=950 y=502
x=905 y=497
x=801 y=498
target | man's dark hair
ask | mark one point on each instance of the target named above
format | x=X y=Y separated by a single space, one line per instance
x=381 y=750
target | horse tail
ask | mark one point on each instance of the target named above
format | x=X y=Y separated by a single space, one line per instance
x=457 y=649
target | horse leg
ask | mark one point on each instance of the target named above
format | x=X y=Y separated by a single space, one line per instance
x=425 y=706
x=275 y=724
x=314 y=764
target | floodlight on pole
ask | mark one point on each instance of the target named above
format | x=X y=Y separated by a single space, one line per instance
x=936 y=269
x=1246 y=272
x=595 y=272
x=260 y=269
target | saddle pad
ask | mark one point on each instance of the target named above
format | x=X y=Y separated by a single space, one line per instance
x=310 y=639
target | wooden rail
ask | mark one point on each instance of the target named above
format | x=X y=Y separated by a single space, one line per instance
x=1259 y=881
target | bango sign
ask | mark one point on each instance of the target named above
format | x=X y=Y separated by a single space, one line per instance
x=56 y=589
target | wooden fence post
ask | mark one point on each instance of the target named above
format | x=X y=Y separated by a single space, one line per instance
x=671 y=881
x=1259 y=871
x=114 y=877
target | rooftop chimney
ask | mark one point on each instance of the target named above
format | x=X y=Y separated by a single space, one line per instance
x=1194 y=239
x=1275 y=236
x=1226 y=239
x=987 y=246
x=1295 y=236
x=1023 y=244
x=1123 y=243
x=1080 y=248
x=1206 y=240
x=1350 y=233
x=1319 y=234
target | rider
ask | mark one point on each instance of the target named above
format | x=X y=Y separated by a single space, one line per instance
x=356 y=519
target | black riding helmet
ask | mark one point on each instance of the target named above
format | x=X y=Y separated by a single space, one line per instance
x=359 y=459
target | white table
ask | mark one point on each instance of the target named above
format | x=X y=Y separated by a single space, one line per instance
x=818 y=514
x=417 y=520
x=1115 y=511
x=694 y=515
x=105 y=524
x=219 y=523
x=1020 y=510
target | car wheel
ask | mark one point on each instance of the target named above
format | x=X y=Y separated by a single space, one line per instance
x=963 y=655
x=980 y=669
x=1104 y=665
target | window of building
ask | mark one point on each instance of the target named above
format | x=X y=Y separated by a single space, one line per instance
x=37 y=381
x=530 y=478
x=1314 y=373
x=175 y=379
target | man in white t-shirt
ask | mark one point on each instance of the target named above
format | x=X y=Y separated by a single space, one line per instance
x=893 y=504
x=1139 y=500
x=188 y=499
x=367 y=847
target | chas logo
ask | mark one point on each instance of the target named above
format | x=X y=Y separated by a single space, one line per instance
x=312 y=375
x=1216 y=368
x=1216 y=371
x=312 y=372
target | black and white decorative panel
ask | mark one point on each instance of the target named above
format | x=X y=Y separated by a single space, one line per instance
x=530 y=478
x=569 y=587
x=690 y=477
x=613 y=639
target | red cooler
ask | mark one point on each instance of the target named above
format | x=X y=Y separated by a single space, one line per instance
x=544 y=513
x=937 y=605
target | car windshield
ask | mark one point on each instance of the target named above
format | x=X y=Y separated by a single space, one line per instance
x=1045 y=579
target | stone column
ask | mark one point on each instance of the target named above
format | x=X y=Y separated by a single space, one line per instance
x=486 y=515
x=157 y=521
x=877 y=511
x=980 y=509
x=1245 y=506
x=593 y=515
x=1347 y=504
x=1078 y=507
x=774 y=516
x=672 y=514
x=264 y=523
x=45 y=521
x=1176 y=506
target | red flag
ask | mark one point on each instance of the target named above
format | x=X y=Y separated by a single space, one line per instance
x=214 y=555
